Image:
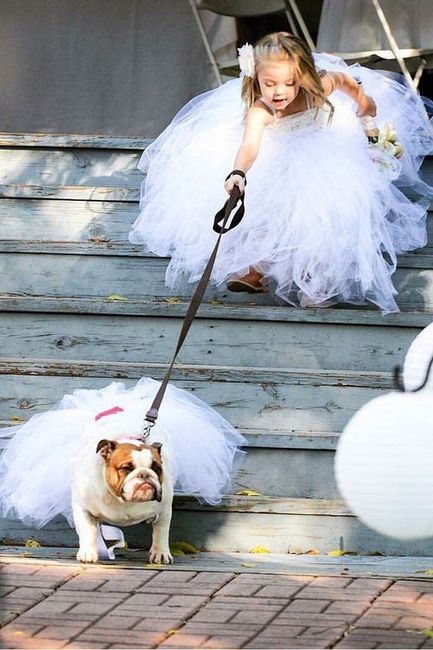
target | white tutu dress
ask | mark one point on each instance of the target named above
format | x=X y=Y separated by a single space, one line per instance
x=37 y=467
x=323 y=220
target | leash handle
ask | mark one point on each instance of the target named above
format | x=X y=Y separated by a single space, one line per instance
x=220 y=222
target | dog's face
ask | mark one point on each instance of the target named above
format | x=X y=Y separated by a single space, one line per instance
x=132 y=472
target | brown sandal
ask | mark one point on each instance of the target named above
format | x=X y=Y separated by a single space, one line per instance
x=250 y=283
x=240 y=285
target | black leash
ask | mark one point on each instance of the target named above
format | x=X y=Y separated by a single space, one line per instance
x=220 y=226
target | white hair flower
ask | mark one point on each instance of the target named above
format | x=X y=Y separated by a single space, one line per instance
x=246 y=60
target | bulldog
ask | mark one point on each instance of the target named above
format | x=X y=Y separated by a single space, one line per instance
x=123 y=482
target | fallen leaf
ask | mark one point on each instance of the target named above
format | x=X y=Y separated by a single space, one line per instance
x=152 y=566
x=32 y=543
x=312 y=551
x=249 y=565
x=336 y=553
x=115 y=298
x=172 y=632
x=173 y=301
x=259 y=549
x=185 y=547
x=26 y=554
x=16 y=418
x=429 y=572
x=428 y=633
x=19 y=633
x=176 y=552
x=350 y=553
x=249 y=493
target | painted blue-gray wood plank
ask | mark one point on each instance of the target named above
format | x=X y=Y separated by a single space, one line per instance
x=69 y=167
x=32 y=225
x=27 y=220
x=225 y=532
x=95 y=276
x=176 y=308
x=66 y=337
x=299 y=407
x=98 y=244
x=278 y=564
x=197 y=372
x=71 y=141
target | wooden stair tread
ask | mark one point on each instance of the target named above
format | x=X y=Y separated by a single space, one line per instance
x=176 y=308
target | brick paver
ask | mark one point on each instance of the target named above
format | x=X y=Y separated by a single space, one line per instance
x=73 y=606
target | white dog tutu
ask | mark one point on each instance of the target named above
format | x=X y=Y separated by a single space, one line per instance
x=37 y=467
x=323 y=220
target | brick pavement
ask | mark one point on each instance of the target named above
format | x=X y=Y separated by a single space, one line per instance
x=73 y=606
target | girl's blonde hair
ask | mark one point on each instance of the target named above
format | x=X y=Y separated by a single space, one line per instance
x=283 y=46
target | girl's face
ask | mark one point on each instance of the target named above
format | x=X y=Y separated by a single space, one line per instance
x=277 y=82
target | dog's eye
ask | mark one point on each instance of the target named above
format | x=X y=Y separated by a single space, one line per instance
x=127 y=468
x=156 y=467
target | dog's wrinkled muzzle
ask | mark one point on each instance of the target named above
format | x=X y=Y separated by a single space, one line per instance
x=142 y=488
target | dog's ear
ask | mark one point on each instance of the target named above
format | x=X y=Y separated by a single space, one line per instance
x=105 y=448
x=157 y=446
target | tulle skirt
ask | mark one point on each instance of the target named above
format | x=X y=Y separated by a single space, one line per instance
x=325 y=216
x=38 y=465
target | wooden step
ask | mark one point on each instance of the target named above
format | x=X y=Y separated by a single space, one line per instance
x=300 y=401
x=215 y=339
x=73 y=140
x=101 y=227
x=241 y=523
x=134 y=278
x=91 y=174
x=174 y=307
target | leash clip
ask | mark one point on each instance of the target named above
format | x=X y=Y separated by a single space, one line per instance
x=147 y=427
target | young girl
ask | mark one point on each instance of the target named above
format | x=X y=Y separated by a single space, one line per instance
x=324 y=217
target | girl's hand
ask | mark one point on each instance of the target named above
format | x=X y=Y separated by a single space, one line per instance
x=366 y=106
x=236 y=179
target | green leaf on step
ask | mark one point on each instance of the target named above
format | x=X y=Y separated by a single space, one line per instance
x=248 y=565
x=16 y=418
x=176 y=552
x=185 y=547
x=32 y=543
x=115 y=298
x=428 y=633
x=335 y=553
x=428 y=572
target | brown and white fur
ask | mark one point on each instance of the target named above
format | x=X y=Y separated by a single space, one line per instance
x=123 y=482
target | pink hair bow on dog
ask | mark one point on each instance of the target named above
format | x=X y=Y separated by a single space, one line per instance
x=112 y=411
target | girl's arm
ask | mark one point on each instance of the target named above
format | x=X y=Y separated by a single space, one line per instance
x=339 y=81
x=256 y=120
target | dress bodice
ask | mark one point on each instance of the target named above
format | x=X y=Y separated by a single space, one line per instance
x=310 y=119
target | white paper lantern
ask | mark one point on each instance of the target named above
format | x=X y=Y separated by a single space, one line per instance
x=384 y=464
x=417 y=360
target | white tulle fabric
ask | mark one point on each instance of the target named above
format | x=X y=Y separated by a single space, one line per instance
x=37 y=467
x=323 y=220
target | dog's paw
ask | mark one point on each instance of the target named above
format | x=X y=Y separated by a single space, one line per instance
x=87 y=554
x=160 y=556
